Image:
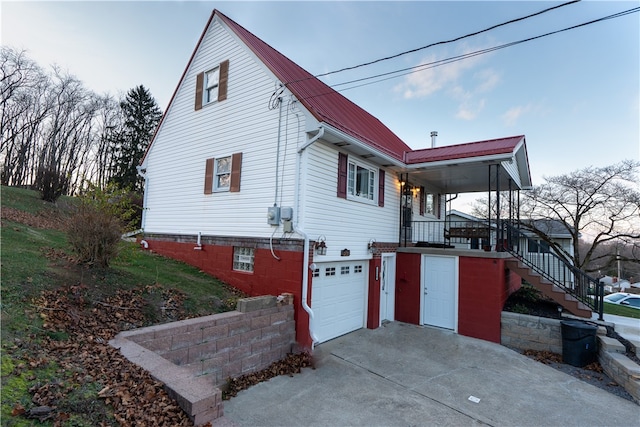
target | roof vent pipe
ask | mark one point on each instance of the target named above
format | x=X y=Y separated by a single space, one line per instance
x=434 y=134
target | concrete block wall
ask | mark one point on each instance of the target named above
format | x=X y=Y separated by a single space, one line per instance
x=193 y=357
x=526 y=332
x=621 y=369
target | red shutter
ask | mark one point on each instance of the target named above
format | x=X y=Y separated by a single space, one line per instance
x=208 y=177
x=199 y=90
x=380 y=188
x=236 y=167
x=223 y=80
x=423 y=200
x=342 y=176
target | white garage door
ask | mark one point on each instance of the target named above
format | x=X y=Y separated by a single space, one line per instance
x=338 y=298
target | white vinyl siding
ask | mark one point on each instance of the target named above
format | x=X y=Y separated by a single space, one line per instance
x=345 y=224
x=242 y=123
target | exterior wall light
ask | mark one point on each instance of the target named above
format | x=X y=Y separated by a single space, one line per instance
x=320 y=246
x=371 y=246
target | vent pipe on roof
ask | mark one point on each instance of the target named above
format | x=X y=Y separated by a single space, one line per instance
x=434 y=134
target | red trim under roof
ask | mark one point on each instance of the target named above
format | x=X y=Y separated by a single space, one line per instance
x=463 y=151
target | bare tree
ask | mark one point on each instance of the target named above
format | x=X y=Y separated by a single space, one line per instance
x=601 y=205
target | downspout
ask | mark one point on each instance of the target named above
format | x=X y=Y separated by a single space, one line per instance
x=143 y=175
x=298 y=229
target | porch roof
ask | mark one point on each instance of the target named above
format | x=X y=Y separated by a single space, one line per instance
x=469 y=168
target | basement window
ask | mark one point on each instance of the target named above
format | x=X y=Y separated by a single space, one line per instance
x=243 y=259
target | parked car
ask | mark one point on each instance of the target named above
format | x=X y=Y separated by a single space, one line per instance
x=623 y=298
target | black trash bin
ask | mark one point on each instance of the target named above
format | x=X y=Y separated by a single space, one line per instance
x=579 y=346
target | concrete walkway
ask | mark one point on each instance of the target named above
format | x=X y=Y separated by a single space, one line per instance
x=406 y=375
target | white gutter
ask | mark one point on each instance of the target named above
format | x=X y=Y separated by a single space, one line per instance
x=355 y=142
x=316 y=137
x=492 y=159
x=298 y=229
x=145 y=191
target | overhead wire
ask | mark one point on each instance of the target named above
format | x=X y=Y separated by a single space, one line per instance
x=410 y=70
x=493 y=27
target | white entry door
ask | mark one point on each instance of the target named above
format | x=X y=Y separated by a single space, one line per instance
x=339 y=298
x=439 y=286
x=388 y=288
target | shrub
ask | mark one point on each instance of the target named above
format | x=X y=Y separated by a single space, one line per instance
x=94 y=231
x=51 y=184
x=94 y=235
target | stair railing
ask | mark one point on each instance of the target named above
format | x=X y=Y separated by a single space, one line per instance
x=552 y=267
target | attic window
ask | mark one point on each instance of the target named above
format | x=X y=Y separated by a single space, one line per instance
x=212 y=85
x=212 y=80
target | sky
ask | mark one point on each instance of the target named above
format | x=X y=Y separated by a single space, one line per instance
x=574 y=95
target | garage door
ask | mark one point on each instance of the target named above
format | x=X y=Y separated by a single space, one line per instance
x=338 y=298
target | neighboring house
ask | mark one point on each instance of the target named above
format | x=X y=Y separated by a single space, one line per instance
x=536 y=249
x=615 y=284
x=265 y=177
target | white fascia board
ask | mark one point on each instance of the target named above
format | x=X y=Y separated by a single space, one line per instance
x=353 y=141
x=493 y=159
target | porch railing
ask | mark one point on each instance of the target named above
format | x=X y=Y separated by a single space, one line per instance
x=460 y=234
x=484 y=235
x=552 y=267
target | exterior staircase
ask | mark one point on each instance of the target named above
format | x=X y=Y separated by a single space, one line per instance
x=557 y=294
x=554 y=276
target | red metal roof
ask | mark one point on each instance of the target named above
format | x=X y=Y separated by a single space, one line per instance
x=462 y=151
x=323 y=102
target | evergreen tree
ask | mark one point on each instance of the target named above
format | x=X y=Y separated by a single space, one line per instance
x=141 y=117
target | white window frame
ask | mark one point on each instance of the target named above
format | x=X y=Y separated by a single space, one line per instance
x=211 y=85
x=243 y=259
x=352 y=184
x=217 y=174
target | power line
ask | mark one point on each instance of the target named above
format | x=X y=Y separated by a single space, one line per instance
x=438 y=43
x=406 y=71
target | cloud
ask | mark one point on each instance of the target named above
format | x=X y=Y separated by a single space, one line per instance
x=457 y=80
x=513 y=114
x=423 y=83
x=470 y=109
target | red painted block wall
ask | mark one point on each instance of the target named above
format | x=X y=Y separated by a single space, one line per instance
x=484 y=286
x=373 y=311
x=270 y=276
x=407 y=307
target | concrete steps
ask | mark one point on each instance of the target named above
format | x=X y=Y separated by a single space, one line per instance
x=567 y=301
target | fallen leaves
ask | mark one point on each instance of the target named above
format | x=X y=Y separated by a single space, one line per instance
x=79 y=331
x=290 y=365
x=38 y=221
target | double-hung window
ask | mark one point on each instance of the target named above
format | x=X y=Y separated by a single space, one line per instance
x=222 y=174
x=211 y=84
x=430 y=204
x=361 y=182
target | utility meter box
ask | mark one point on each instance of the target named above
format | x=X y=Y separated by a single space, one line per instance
x=286 y=214
x=273 y=215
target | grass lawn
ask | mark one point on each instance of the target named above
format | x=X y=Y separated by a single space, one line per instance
x=620 y=310
x=36 y=257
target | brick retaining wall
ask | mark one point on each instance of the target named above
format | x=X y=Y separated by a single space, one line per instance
x=194 y=357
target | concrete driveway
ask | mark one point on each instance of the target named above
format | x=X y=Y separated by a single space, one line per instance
x=406 y=375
